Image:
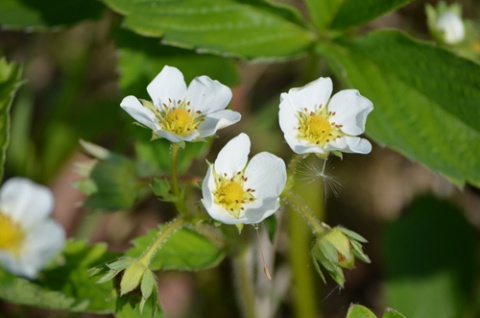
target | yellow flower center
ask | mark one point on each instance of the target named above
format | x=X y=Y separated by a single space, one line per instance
x=231 y=194
x=12 y=235
x=316 y=127
x=179 y=118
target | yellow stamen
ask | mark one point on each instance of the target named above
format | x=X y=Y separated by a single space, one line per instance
x=231 y=194
x=316 y=127
x=178 y=117
x=12 y=235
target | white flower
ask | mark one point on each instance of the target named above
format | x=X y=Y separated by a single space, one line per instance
x=178 y=113
x=313 y=124
x=452 y=26
x=236 y=191
x=28 y=237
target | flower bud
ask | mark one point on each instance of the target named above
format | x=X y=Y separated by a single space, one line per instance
x=337 y=249
x=445 y=23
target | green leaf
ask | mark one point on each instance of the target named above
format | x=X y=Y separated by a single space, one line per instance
x=41 y=15
x=110 y=180
x=392 y=313
x=9 y=83
x=65 y=286
x=250 y=29
x=359 y=311
x=134 y=306
x=426 y=99
x=185 y=250
x=342 y=14
x=430 y=262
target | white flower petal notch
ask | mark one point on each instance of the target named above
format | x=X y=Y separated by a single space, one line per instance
x=239 y=192
x=29 y=238
x=312 y=122
x=180 y=113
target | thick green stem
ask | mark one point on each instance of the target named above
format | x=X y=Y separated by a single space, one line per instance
x=305 y=291
x=161 y=238
x=243 y=275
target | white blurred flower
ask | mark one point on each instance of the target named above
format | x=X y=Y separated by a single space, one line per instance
x=236 y=191
x=311 y=123
x=452 y=26
x=178 y=113
x=28 y=237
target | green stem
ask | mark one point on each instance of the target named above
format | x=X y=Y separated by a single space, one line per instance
x=161 y=238
x=298 y=205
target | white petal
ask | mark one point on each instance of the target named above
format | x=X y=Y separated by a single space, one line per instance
x=234 y=155
x=176 y=138
x=168 y=84
x=256 y=215
x=12 y=264
x=267 y=175
x=351 y=145
x=207 y=95
x=302 y=147
x=218 y=120
x=287 y=117
x=141 y=114
x=220 y=214
x=25 y=201
x=311 y=95
x=351 y=110
x=208 y=185
x=452 y=26
x=42 y=243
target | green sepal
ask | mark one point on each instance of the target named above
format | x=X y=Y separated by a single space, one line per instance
x=121 y=263
x=132 y=277
x=239 y=227
x=337 y=153
x=352 y=234
x=359 y=311
x=358 y=251
x=392 y=313
x=163 y=189
x=148 y=284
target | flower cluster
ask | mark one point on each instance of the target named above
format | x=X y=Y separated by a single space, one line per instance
x=235 y=192
x=28 y=237
x=238 y=191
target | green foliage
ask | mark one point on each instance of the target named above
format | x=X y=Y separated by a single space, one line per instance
x=141 y=59
x=41 y=15
x=430 y=253
x=110 y=180
x=154 y=156
x=342 y=14
x=250 y=29
x=426 y=99
x=9 y=83
x=185 y=250
x=65 y=286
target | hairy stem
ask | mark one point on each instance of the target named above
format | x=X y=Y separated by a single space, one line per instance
x=162 y=237
x=308 y=215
